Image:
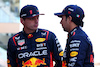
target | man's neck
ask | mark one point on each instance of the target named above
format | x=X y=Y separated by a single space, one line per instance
x=72 y=27
x=29 y=31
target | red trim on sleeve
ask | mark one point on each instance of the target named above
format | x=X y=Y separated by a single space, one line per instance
x=47 y=35
x=51 y=61
x=17 y=62
x=14 y=39
x=91 y=59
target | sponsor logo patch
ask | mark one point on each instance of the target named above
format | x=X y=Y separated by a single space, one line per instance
x=21 y=42
x=33 y=62
x=64 y=64
x=61 y=53
x=73 y=53
x=40 y=39
x=22 y=47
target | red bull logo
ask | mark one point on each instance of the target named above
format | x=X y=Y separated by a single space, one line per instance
x=64 y=64
x=8 y=62
x=33 y=62
x=38 y=62
x=27 y=63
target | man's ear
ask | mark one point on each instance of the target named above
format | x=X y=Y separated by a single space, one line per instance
x=70 y=18
x=22 y=20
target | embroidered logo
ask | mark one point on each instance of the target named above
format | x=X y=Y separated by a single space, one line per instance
x=40 y=39
x=21 y=42
x=73 y=53
x=30 y=36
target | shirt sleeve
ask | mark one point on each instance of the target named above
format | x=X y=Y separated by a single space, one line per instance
x=57 y=51
x=11 y=56
x=77 y=52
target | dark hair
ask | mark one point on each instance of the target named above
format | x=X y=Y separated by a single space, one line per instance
x=76 y=21
x=23 y=18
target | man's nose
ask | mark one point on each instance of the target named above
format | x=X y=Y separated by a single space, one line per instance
x=61 y=22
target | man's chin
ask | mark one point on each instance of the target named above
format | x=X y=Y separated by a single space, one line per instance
x=34 y=29
x=65 y=30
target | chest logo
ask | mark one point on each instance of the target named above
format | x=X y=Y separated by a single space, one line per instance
x=40 y=39
x=61 y=53
x=21 y=42
x=73 y=53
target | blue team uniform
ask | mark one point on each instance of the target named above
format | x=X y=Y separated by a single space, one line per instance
x=78 y=51
x=37 y=49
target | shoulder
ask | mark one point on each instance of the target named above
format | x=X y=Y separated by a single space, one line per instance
x=47 y=31
x=16 y=35
x=81 y=35
x=12 y=39
x=49 y=34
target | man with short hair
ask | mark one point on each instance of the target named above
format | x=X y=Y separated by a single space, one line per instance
x=78 y=51
x=33 y=47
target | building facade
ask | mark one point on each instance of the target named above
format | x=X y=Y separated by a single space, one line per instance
x=9 y=20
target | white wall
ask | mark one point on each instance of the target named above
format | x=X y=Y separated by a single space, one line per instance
x=52 y=23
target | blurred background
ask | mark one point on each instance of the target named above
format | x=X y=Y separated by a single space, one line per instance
x=9 y=25
x=10 y=22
